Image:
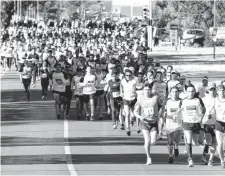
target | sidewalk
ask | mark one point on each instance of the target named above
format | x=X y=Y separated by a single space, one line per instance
x=188 y=51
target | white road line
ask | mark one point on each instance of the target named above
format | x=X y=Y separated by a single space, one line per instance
x=67 y=149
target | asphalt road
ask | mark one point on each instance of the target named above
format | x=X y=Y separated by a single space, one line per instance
x=34 y=142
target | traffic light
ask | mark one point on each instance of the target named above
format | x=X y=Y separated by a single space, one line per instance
x=145 y=13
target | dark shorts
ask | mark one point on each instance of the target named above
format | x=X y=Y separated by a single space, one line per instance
x=209 y=129
x=60 y=93
x=26 y=82
x=220 y=126
x=149 y=126
x=117 y=100
x=86 y=98
x=69 y=94
x=130 y=103
x=159 y=107
x=80 y=97
x=194 y=127
x=99 y=92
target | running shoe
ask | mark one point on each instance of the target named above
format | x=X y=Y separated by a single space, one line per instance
x=138 y=131
x=122 y=127
x=204 y=161
x=33 y=85
x=114 y=126
x=92 y=118
x=223 y=164
x=132 y=122
x=210 y=163
x=176 y=152
x=100 y=118
x=43 y=97
x=190 y=163
x=67 y=116
x=160 y=137
x=128 y=133
x=149 y=161
x=171 y=160
x=87 y=118
x=59 y=115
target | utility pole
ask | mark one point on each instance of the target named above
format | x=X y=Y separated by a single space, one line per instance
x=150 y=26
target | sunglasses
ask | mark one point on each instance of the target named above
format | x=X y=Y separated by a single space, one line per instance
x=128 y=75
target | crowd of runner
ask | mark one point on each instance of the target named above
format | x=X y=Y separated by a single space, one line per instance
x=104 y=64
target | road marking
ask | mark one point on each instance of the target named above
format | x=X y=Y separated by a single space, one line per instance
x=67 y=149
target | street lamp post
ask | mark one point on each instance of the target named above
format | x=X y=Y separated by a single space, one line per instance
x=150 y=26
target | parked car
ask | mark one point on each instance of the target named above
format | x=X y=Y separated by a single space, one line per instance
x=193 y=37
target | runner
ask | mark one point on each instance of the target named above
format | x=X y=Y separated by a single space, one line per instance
x=89 y=89
x=139 y=90
x=115 y=99
x=192 y=112
x=202 y=89
x=173 y=82
x=99 y=95
x=44 y=79
x=220 y=122
x=209 y=124
x=146 y=110
x=160 y=88
x=172 y=119
x=68 y=71
x=26 y=76
x=59 y=87
x=78 y=92
x=128 y=92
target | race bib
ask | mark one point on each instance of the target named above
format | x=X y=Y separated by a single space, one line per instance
x=115 y=94
x=148 y=113
x=191 y=113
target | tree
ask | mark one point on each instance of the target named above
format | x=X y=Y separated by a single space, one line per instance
x=7 y=11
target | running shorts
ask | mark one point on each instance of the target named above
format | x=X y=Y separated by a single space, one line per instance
x=220 y=126
x=60 y=93
x=149 y=126
x=86 y=97
x=130 y=103
x=99 y=92
x=209 y=129
x=194 y=127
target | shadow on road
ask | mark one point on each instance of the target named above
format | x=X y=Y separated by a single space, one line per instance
x=8 y=141
x=131 y=158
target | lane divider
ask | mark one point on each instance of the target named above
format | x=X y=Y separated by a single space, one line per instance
x=67 y=149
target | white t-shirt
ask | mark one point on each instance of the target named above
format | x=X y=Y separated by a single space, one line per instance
x=129 y=89
x=209 y=103
x=220 y=109
x=191 y=110
x=59 y=82
x=89 y=84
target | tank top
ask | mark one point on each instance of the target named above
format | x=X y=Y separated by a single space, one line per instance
x=114 y=88
x=78 y=89
x=27 y=72
x=172 y=109
x=220 y=110
x=149 y=109
x=160 y=90
x=190 y=110
x=58 y=82
x=209 y=103
x=99 y=85
x=139 y=89
x=89 y=84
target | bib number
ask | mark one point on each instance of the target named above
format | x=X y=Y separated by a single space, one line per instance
x=115 y=94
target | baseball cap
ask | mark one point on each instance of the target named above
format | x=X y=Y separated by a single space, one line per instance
x=212 y=85
x=205 y=78
x=219 y=87
x=182 y=77
x=173 y=72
